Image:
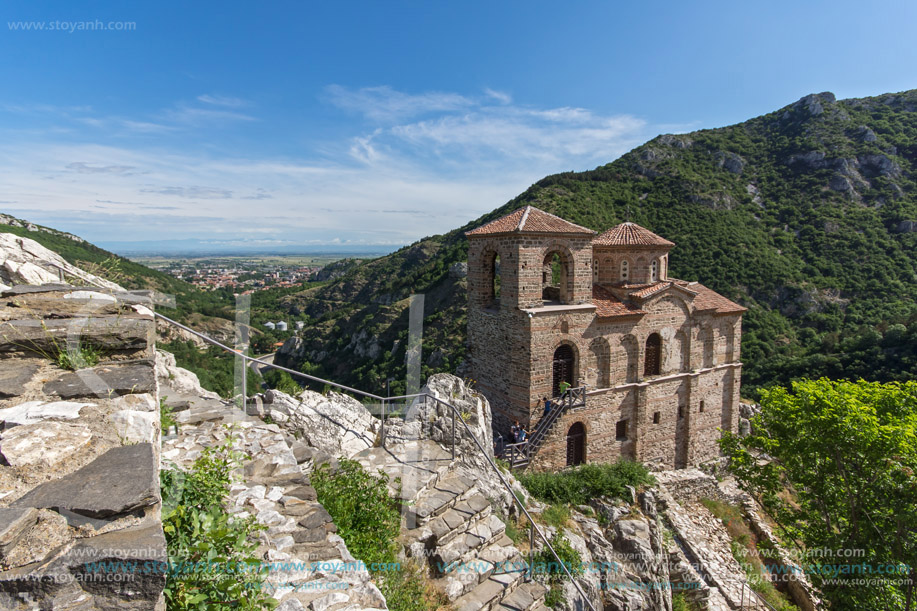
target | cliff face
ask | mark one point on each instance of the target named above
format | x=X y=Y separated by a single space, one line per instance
x=25 y=261
x=806 y=215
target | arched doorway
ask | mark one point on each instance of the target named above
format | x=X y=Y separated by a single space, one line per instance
x=564 y=362
x=576 y=444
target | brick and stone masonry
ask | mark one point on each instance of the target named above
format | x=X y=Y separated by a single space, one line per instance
x=551 y=301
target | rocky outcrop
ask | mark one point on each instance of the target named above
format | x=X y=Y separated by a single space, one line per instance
x=25 y=261
x=334 y=423
x=80 y=470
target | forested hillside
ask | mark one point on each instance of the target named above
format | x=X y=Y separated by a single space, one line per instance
x=807 y=216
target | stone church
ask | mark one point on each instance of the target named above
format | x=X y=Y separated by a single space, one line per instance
x=653 y=360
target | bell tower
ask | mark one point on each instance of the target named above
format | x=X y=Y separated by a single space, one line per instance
x=526 y=263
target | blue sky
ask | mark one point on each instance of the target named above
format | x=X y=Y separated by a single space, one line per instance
x=382 y=122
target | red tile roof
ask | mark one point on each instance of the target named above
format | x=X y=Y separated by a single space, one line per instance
x=630 y=234
x=651 y=289
x=707 y=299
x=529 y=220
x=608 y=306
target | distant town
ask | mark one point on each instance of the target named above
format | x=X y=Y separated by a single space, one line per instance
x=244 y=275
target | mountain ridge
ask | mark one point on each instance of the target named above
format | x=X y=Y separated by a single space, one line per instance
x=806 y=215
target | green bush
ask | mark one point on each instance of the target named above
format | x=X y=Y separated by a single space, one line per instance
x=211 y=554
x=556 y=515
x=546 y=566
x=579 y=485
x=369 y=521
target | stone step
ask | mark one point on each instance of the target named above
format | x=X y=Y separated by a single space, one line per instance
x=454 y=521
x=489 y=593
x=438 y=499
x=464 y=547
x=498 y=561
x=527 y=597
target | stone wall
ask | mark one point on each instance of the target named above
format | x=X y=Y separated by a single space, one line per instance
x=80 y=451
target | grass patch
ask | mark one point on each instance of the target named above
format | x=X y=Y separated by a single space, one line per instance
x=680 y=602
x=369 y=521
x=84 y=355
x=545 y=565
x=556 y=515
x=748 y=552
x=579 y=485
x=166 y=419
x=214 y=552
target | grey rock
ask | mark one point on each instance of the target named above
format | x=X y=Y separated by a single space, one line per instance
x=907 y=227
x=121 y=480
x=143 y=547
x=28 y=289
x=730 y=162
x=879 y=165
x=44 y=443
x=43 y=337
x=135 y=426
x=104 y=381
x=812 y=160
x=32 y=412
x=840 y=183
x=14 y=376
x=865 y=134
x=14 y=523
x=458 y=270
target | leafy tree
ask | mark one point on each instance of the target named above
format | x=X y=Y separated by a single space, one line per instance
x=833 y=463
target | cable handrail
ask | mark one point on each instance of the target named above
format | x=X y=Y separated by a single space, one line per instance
x=455 y=412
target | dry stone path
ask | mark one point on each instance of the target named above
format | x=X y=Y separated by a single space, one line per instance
x=309 y=564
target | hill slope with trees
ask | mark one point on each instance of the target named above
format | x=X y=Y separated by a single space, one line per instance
x=806 y=215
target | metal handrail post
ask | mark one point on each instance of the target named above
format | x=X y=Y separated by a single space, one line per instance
x=383 y=424
x=453 y=434
x=531 y=551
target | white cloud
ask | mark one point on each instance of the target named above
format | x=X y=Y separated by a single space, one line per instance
x=385 y=103
x=222 y=100
x=429 y=162
x=500 y=96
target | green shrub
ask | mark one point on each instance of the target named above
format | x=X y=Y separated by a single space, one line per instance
x=166 y=419
x=544 y=562
x=211 y=553
x=681 y=603
x=579 y=485
x=85 y=355
x=556 y=515
x=369 y=521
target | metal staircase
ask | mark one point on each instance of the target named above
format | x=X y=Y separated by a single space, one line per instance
x=520 y=454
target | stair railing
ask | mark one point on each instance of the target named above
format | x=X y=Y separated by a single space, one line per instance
x=456 y=417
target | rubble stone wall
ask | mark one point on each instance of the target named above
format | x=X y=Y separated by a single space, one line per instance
x=79 y=476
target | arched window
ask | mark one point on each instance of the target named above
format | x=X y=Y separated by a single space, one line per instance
x=564 y=364
x=625 y=272
x=653 y=355
x=554 y=270
x=576 y=444
x=654 y=271
x=490 y=289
